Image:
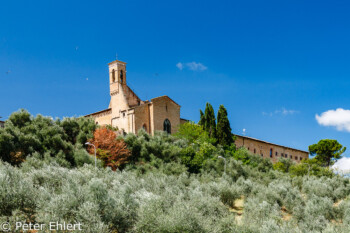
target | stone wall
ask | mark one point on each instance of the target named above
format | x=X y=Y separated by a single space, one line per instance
x=103 y=117
x=119 y=101
x=142 y=117
x=131 y=97
x=270 y=150
x=124 y=120
x=165 y=108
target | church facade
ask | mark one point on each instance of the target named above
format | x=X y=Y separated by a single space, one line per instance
x=129 y=113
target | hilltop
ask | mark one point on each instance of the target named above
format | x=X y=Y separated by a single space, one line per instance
x=163 y=183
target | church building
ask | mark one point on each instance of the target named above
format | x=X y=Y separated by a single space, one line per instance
x=129 y=113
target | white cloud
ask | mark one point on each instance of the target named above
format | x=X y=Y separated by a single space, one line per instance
x=339 y=118
x=195 y=66
x=282 y=111
x=286 y=111
x=342 y=165
x=180 y=66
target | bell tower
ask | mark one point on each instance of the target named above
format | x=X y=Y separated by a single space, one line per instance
x=118 y=91
x=117 y=76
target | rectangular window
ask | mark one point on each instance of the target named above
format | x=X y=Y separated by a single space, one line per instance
x=296 y=157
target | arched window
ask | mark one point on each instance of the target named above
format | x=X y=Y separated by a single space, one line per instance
x=113 y=76
x=121 y=76
x=167 y=126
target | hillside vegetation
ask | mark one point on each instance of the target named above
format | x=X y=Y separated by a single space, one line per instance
x=161 y=183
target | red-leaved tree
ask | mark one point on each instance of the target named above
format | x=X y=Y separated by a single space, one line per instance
x=111 y=151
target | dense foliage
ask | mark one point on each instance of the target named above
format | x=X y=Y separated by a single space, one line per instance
x=219 y=130
x=327 y=151
x=208 y=121
x=223 y=133
x=166 y=198
x=24 y=135
x=114 y=153
x=169 y=183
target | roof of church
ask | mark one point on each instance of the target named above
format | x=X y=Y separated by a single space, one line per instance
x=116 y=61
x=166 y=97
x=134 y=94
x=271 y=143
x=106 y=110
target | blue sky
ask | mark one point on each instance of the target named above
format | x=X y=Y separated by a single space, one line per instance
x=273 y=64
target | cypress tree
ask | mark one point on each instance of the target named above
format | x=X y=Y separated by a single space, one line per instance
x=223 y=132
x=201 y=121
x=210 y=124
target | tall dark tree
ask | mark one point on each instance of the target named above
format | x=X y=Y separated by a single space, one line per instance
x=223 y=132
x=201 y=121
x=327 y=151
x=210 y=124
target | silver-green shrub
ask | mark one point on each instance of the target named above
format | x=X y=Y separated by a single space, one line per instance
x=167 y=198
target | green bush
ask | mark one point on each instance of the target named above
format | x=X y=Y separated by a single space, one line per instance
x=171 y=184
x=193 y=133
x=24 y=135
x=166 y=198
x=310 y=167
x=161 y=145
x=283 y=165
x=262 y=164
